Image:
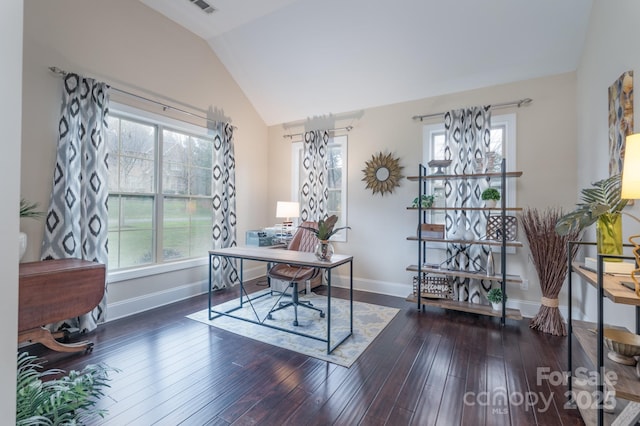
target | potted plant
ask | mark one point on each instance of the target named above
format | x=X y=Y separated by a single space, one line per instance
x=28 y=210
x=426 y=201
x=64 y=399
x=495 y=297
x=325 y=230
x=601 y=204
x=490 y=196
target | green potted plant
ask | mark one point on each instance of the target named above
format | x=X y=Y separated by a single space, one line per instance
x=601 y=204
x=495 y=297
x=491 y=196
x=426 y=201
x=62 y=400
x=27 y=210
x=325 y=230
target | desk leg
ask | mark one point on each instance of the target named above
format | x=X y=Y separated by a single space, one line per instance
x=328 y=311
x=351 y=296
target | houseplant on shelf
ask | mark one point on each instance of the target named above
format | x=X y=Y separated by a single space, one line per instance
x=495 y=297
x=491 y=196
x=324 y=249
x=601 y=204
x=28 y=210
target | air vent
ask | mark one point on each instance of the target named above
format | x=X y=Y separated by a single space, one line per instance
x=204 y=6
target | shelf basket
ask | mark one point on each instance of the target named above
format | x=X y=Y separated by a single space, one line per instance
x=434 y=287
x=494 y=228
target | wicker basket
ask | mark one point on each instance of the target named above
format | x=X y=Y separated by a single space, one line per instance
x=434 y=287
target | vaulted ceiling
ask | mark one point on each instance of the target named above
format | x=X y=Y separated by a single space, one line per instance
x=296 y=59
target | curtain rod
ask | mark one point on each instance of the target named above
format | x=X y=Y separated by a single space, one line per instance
x=291 y=135
x=518 y=103
x=63 y=73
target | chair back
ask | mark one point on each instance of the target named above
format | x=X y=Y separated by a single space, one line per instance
x=303 y=239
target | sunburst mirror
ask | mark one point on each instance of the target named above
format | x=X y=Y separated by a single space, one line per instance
x=382 y=173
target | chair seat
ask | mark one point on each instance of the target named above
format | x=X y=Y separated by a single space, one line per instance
x=285 y=272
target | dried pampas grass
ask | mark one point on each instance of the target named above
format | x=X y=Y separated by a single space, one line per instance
x=549 y=253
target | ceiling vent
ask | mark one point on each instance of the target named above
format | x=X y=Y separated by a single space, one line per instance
x=204 y=6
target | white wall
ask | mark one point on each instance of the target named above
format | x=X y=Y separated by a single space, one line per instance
x=134 y=48
x=546 y=145
x=611 y=49
x=10 y=117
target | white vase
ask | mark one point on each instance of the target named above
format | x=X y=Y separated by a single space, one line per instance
x=490 y=203
x=22 y=245
x=496 y=306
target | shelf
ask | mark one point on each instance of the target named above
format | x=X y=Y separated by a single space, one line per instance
x=464 y=274
x=473 y=308
x=465 y=176
x=613 y=289
x=627 y=386
x=455 y=241
x=509 y=209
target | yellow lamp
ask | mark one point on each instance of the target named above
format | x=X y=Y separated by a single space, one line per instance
x=630 y=191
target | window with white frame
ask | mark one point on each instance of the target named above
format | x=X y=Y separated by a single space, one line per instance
x=336 y=179
x=160 y=189
x=502 y=145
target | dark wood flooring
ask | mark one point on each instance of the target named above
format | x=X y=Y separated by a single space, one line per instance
x=433 y=367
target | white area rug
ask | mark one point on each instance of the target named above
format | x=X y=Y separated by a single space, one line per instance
x=368 y=321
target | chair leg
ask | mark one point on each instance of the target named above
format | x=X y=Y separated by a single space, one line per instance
x=295 y=302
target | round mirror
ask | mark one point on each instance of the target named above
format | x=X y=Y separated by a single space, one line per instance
x=382 y=174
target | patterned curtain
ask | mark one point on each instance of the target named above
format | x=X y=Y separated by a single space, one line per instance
x=77 y=218
x=314 y=194
x=224 y=271
x=467 y=138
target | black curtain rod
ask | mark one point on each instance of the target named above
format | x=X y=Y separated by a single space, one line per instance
x=165 y=107
x=518 y=103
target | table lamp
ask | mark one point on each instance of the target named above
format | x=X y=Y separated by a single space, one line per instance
x=630 y=191
x=287 y=210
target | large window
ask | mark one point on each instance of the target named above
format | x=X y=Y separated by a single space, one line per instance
x=336 y=179
x=160 y=183
x=502 y=145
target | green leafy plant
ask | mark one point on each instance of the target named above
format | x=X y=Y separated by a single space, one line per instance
x=65 y=400
x=28 y=209
x=326 y=228
x=491 y=194
x=495 y=295
x=426 y=201
x=602 y=198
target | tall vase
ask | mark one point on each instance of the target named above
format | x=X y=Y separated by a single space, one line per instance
x=609 y=235
x=324 y=250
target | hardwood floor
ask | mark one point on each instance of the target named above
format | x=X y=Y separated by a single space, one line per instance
x=433 y=367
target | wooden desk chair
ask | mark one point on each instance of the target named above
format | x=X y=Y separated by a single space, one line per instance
x=303 y=240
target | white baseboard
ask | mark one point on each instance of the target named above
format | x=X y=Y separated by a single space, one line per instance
x=145 y=302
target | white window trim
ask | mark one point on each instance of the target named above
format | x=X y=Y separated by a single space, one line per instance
x=296 y=150
x=507 y=120
x=134 y=272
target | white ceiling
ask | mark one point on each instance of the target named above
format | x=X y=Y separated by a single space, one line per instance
x=296 y=59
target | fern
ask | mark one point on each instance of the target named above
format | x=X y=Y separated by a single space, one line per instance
x=67 y=400
x=603 y=197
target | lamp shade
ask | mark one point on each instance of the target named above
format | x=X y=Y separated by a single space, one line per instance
x=287 y=209
x=631 y=168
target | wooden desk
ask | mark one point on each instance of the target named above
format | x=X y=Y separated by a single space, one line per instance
x=292 y=257
x=55 y=290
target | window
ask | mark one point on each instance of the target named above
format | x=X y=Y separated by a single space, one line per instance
x=502 y=145
x=160 y=189
x=336 y=173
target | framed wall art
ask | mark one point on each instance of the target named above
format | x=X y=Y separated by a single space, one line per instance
x=620 y=119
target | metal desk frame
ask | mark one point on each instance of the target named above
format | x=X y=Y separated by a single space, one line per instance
x=296 y=258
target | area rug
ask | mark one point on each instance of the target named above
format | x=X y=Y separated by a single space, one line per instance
x=368 y=321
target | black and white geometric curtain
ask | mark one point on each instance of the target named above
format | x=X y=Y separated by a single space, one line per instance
x=314 y=192
x=224 y=272
x=467 y=139
x=76 y=222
